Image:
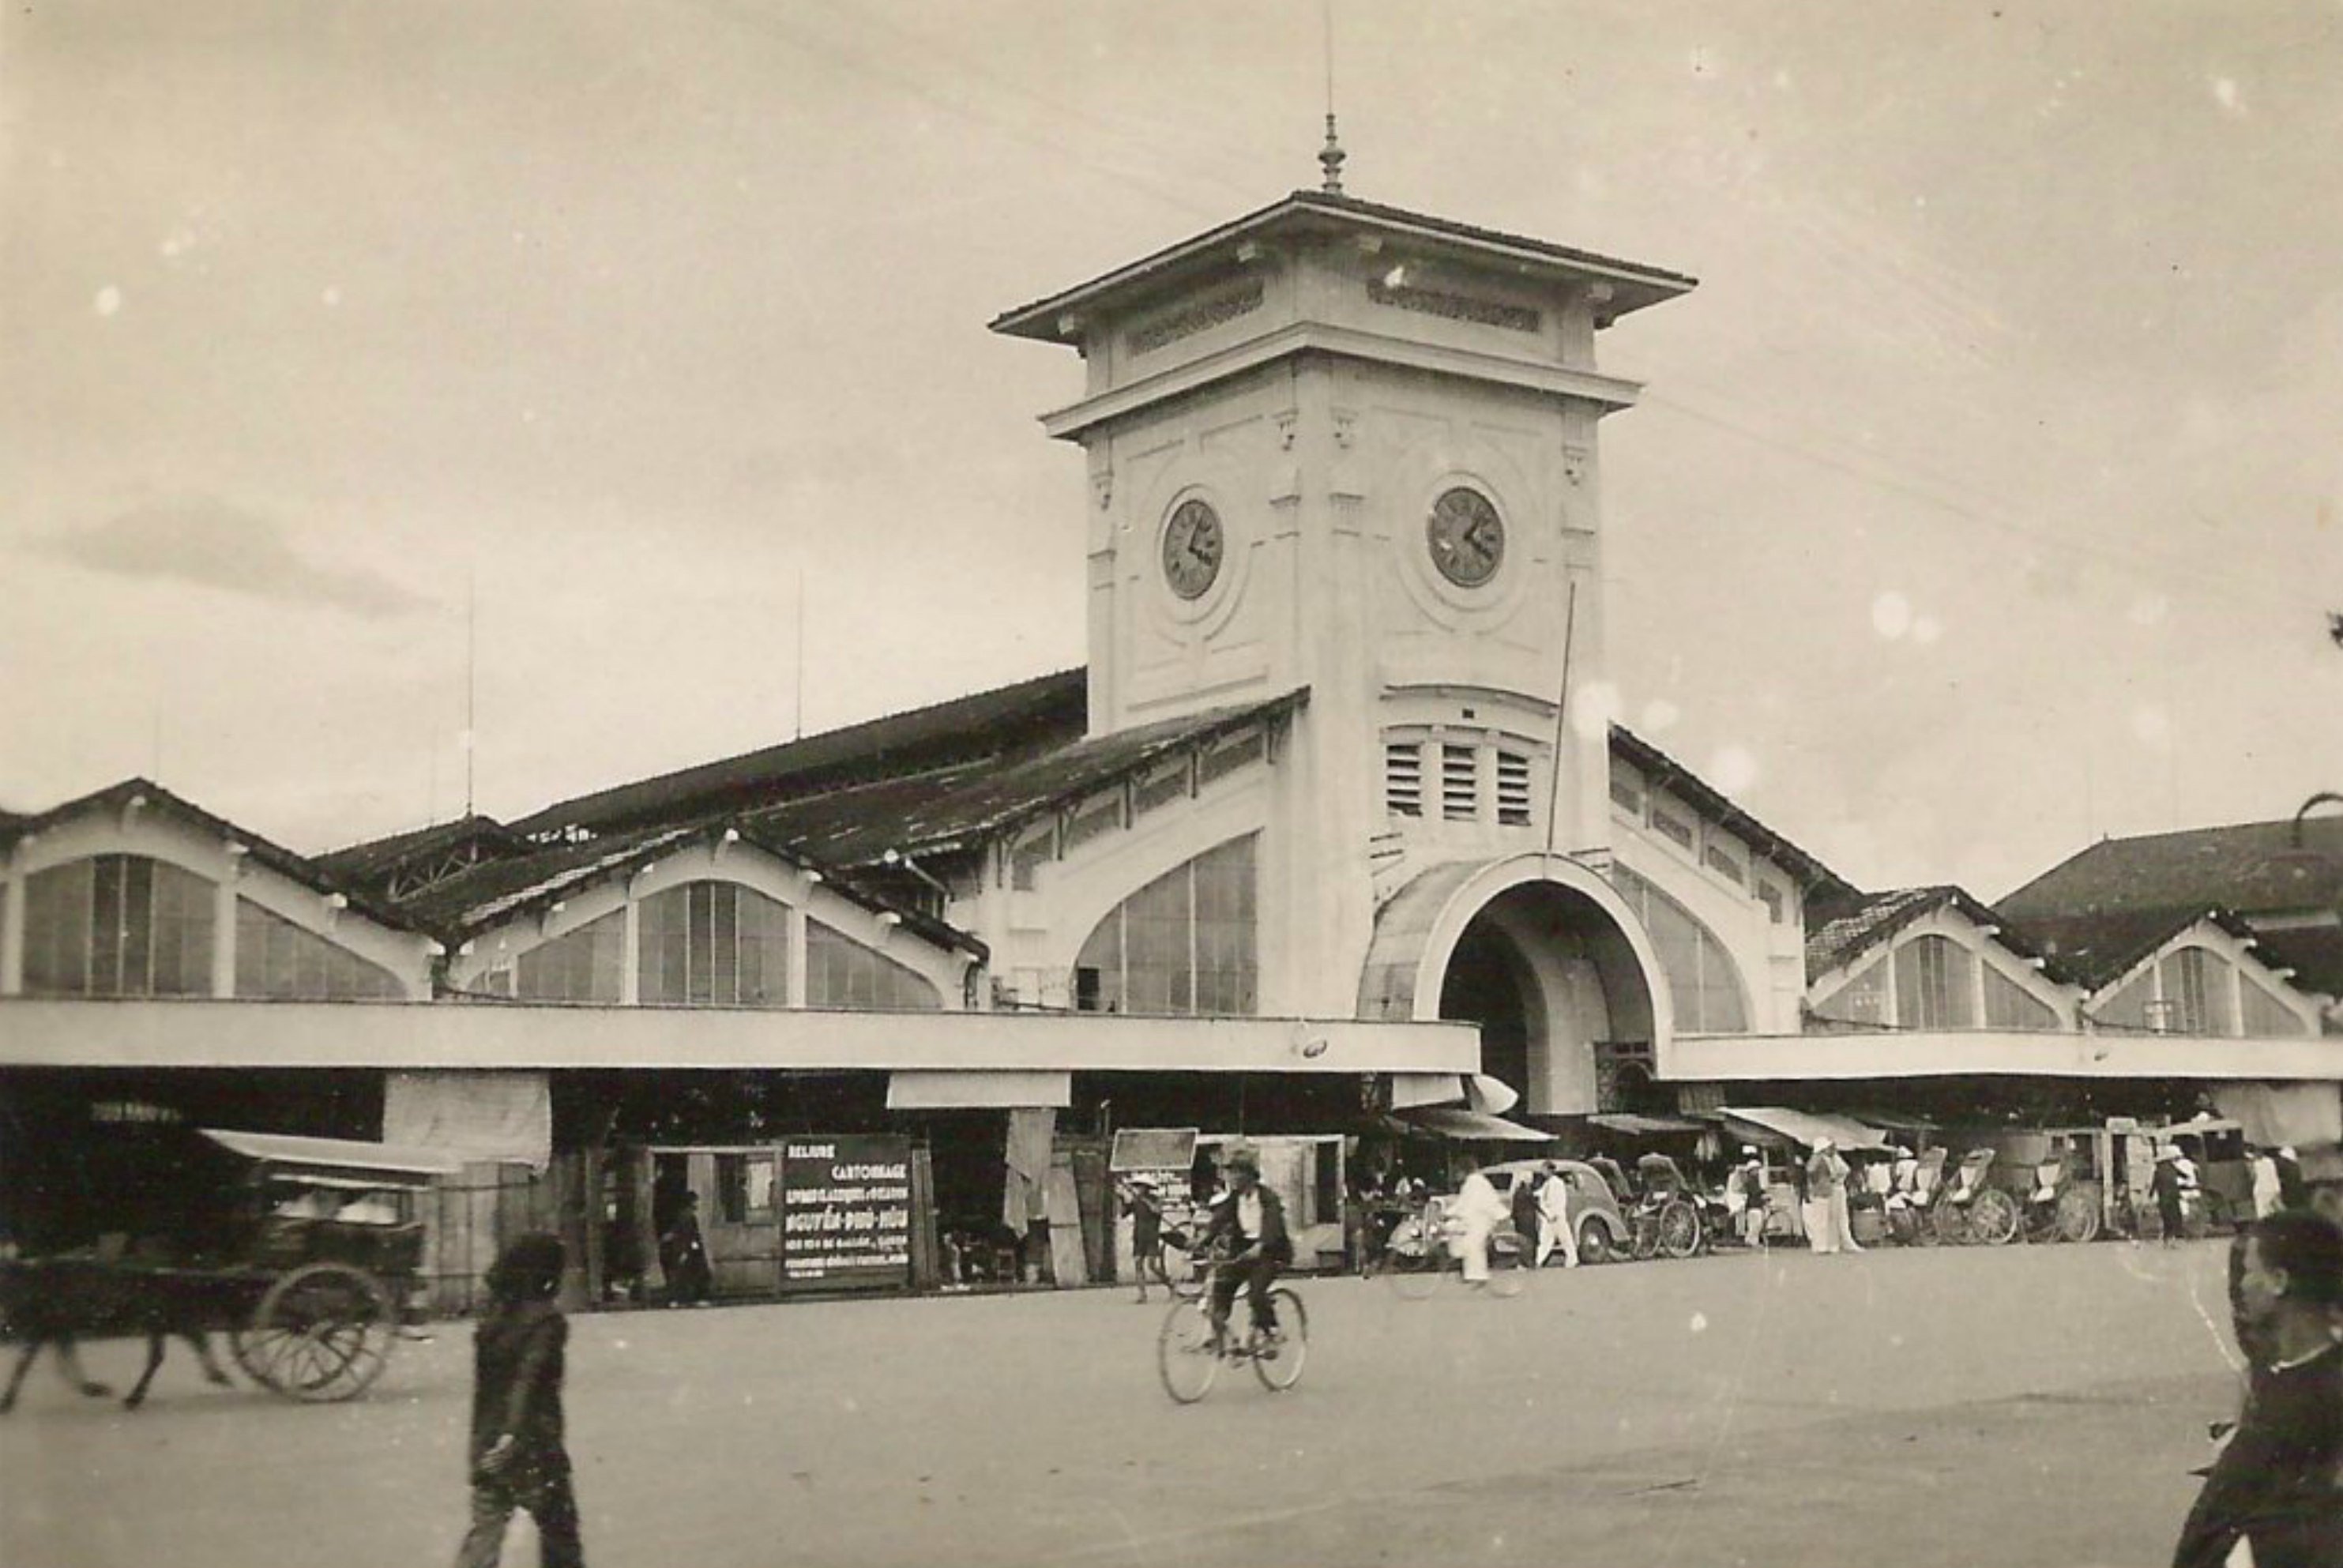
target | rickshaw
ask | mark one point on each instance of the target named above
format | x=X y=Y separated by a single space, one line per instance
x=303 y=1250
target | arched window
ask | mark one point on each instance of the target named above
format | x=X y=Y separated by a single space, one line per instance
x=1702 y=979
x=282 y=961
x=1184 y=944
x=1935 y=984
x=118 y=925
x=711 y=943
x=583 y=965
x=842 y=972
x=2195 y=993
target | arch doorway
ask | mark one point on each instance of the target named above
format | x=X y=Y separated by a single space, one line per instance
x=1544 y=956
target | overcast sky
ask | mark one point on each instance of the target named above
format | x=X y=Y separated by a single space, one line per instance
x=1986 y=497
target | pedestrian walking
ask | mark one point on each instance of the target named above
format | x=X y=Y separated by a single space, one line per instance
x=1524 y=1202
x=1476 y=1213
x=2268 y=1196
x=518 y=1454
x=1557 y=1228
x=1145 y=1204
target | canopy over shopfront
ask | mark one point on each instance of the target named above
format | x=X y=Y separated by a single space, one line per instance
x=1641 y=1126
x=1456 y=1122
x=1774 y=1124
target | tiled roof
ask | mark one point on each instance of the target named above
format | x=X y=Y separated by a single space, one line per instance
x=1660 y=768
x=380 y=859
x=300 y=869
x=2253 y=868
x=1847 y=928
x=2095 y=947
x=2110 y=896
x=957 y=808
x=1009 y=723
x=1324 y=209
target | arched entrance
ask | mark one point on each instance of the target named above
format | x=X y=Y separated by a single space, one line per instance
x=1544 y=956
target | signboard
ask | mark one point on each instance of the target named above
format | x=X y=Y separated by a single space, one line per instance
x=1152 y=1149
x=846 y=1213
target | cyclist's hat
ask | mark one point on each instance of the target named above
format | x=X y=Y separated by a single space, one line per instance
x=1242 y=1157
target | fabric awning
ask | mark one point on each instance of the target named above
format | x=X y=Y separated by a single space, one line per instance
x=1806 y=1128
x=395 y=1163
x=1895 y=1122
x=1455 y=1121
x=1630 y=1122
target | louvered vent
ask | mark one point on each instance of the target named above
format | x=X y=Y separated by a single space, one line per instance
x=1513 y=789
x=1404 y=778
x=1460 y=794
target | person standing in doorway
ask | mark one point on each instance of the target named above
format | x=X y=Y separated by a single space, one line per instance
x=519 y=1453
x=684 y=1255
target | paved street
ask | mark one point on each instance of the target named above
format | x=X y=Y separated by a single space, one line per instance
x=2021 y=1406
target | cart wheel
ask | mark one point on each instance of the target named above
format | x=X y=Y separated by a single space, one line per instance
x=321 y=1333
x=2078 y=1215
x=1412 y=1262
x=1995 y=1217
x=1678 y=1230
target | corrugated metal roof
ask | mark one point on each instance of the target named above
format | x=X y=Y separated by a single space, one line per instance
x=1669 y=774
x=381 y=858
x=1848 y=931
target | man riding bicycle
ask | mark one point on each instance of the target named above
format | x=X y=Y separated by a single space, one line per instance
x=1246 y=1227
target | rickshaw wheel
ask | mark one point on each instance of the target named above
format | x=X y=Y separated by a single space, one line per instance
x=322 y=1333
x=1950 y=1223
x=1994 y=1219
x=2078 y=1215
x=1678 y=1230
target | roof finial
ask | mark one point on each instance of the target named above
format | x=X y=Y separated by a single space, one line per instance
x=1330 y=158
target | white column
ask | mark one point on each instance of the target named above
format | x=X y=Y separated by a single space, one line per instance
x=224 y=923
x=630 y=949
x=12 y=930
x=796 y=992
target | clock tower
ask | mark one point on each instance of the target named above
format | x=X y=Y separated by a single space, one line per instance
x=1340 y=447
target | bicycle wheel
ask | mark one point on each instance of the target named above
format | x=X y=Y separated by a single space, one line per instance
x=1278 y=1364
x=1509 y=1264
x=1185 y=1356
x=1412 y=1263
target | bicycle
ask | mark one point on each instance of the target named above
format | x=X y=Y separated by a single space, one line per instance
x=1190 y=1348
x=1417 y=1257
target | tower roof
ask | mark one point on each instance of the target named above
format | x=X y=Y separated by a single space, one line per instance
x=1632 y=285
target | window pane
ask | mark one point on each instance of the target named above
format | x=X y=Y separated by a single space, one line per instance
x=1184 y=944
x=2266 y=1015
x=1934 y=984
x=279 y=960
x=841 y=972
x=582 y=965
x=1863 y=999
x=2008 y=1005
x=59 y=904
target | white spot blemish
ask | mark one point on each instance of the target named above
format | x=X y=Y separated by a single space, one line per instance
x=2225 y=92
x=1700 y=1322
x=1660 y=714
x=1597 y=707
x=1891 y=615
x=1733 y=769
x=332 y=295
x=108 y=300
x=175 y=244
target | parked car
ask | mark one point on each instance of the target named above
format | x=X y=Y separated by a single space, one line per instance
x=1604 y=1232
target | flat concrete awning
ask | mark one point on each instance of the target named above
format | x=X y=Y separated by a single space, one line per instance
x=1805 y=1127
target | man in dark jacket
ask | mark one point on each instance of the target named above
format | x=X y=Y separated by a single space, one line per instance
x=1247 y=1226
x=2276 y=1484
x=518 y=1456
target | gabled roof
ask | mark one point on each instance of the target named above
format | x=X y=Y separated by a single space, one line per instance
x=1006 y=722
x=488 y=895
x=966 y=806
x=1634 y=285
x=2095 y=949
x=1663 y=771
x=1848 y=930
x=381 y=860
x=2252 y=867
x=295 y=867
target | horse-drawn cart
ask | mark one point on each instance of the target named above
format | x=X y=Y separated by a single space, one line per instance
x=303 y=1250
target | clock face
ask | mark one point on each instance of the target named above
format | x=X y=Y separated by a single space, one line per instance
x=1466 y=536
x=1191 y=548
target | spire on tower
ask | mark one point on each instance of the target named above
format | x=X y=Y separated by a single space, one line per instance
x=1330 y=158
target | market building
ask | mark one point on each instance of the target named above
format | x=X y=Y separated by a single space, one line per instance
x=1315 y=844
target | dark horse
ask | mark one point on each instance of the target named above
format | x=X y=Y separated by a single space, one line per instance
x=54 y=1301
